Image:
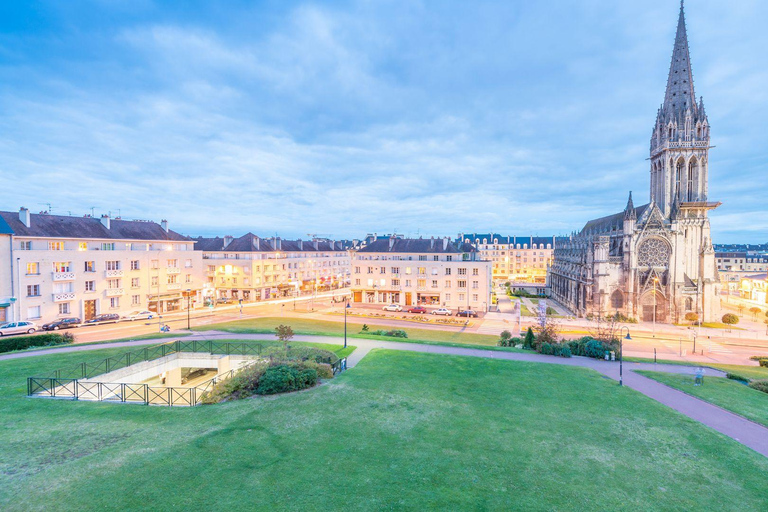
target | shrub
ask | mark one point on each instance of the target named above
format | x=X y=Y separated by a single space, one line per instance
x=394 y=333
x=556 y=349
x=286 y=377
x=529 y=340
x=736 y=376
x=365 y=328
x=9 y=343
x=730 y=319
x=760 y=385
x=241 y=385
x=692 y=317
x=551 y=311
x=621 y=317
x=763 y=363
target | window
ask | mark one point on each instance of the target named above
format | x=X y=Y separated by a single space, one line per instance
x=90 y=286
x=64 y=308
x=212 y=268
x=33 y=269
x=90 y=266
x=135 y=283
x=357 y=282
x=395 y=270
x=422 y=271
x=422 y=257
x=135 y=300
x=475 y=272
x=475 y=284
x=113 y=284
x=449 y=258
x=188 y=279
x=82 y=246
x=33 y=312
x=462 y=284
x=135 y=265
x=108 y=246
x=434 y=283
x=155 y=281
x=114 y=302
x=447 y=297
x=448 y=271
x=357 y=270
x=370 y=270
x=447 y=283
x=407 y=271
x=33 y=290
x=462 y=271
x=62 y=266
x=154 y=264
x=383 y=270
x=395 y=282
x=461 y=297
x=435 y=258
x=112 y=265
x=172 y=279
x=172 y=263
x=407 y=283
x=474 y=297
x=188 y=264
x=55 y=246
x=421 y=283
x=26 y=246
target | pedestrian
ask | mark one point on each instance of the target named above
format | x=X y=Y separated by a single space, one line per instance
x=699 y=380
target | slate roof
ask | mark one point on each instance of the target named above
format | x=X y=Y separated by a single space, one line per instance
x=62 y=226
x=507 y=239
x=5 y=229
x=604 y=224
x=418 y=245
x=252 y=243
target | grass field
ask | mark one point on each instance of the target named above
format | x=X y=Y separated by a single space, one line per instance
x=399 y=431
x=725 y=393
x=749 y=372
x=326 y=328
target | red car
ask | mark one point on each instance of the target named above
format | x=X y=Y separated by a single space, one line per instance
x=417 y=309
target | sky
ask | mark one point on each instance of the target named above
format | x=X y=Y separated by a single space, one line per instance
x=346 y=118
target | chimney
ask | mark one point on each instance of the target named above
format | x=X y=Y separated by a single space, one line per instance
x=25 y=217
x=391 y=242
x=257 y=243
x=316 y=244
x=164 y=225
x=301 y=244
x=227 y=240
x=445 y=243
x=279 y=244
x=105 y=221
x=432 y=243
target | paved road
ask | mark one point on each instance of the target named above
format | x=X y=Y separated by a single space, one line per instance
x=732 y=425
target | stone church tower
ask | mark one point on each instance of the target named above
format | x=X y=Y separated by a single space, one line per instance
x=654 y=262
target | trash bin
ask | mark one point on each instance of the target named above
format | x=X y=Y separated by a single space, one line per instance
x=607 y=356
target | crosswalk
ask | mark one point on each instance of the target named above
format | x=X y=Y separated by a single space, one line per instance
x=495 y=323
x=686 y=347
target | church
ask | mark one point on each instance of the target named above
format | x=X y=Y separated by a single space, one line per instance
x=654 y=262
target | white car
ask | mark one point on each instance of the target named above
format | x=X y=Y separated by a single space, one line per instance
x=442 y=311
x=17 y=328
x=139 y=315
x=393 y=307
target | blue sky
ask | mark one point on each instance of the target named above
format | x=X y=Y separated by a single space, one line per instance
x=343 y=118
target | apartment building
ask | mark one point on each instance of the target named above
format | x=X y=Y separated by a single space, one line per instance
x=514 y=258
x=741 y=262
x=250 y=268
x=83 y=266
x=436 y=272
x=6 y=276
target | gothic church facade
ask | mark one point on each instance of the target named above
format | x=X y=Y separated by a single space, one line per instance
x=653 y=262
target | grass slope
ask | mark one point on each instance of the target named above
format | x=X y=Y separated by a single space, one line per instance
x=726 y=393
x=267 y=325
x=400 y=431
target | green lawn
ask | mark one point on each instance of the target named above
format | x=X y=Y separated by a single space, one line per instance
x=749 y=372
x=400 y=431
x=725 y=393
x=267 y=325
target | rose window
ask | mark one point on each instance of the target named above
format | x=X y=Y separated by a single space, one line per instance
x=653 y=253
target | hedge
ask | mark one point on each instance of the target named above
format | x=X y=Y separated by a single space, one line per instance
x=10 y=343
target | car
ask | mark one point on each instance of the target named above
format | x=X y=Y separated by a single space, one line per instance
x=62 y=323
x=393 y=307
x=417 y=309
x=467 y=313
x=7 y=328
x=104 y=318
x=139 y=315
x=442 y=311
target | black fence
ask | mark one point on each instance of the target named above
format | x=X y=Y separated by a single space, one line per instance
x=66 y=382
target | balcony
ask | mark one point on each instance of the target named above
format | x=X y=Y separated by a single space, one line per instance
x=63 y=276
x=173 y=286
x=113 y=273
x=63 y=297
x=114 y=292
x=173 y=270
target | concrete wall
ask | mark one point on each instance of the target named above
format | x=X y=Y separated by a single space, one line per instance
x=142 y=371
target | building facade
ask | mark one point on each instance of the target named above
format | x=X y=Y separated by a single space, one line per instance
x=435 y=272
x=250 y=268
x=741 y=262
x=7 y=298
x=655 y=262
x=521 y=259
x=83 y=266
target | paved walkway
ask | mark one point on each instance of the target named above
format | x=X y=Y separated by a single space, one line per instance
x=746 y=432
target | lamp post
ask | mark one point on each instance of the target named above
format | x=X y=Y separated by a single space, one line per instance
x=189 y=295
x=346 y=307
x=621 y=353
x=655 y=281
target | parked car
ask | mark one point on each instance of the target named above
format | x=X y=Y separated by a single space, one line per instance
x=442 y=311
x=417 y=309
x=468 y=313
x=393 y=307
x=103 y=319
x=139 y=315
x=62 y=323
x=224 y=300
x=7 y=328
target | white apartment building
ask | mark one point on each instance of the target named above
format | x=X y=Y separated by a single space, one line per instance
x=250 y=268
x=6 y=276
x=741 y=262
x=524 y=259
x=434 y=272
x=83 y=266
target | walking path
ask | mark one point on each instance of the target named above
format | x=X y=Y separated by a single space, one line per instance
x=746 y=432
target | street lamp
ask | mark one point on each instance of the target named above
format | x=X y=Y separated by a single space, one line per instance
x=346 y=307
x=189 y=295
x=621 y=353
x=655 y=281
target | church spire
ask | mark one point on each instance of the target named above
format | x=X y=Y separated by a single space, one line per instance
x=629 y=211
x=680 y=95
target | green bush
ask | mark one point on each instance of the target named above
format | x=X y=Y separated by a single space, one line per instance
x=242 y=385
x=301 y=354
x=9 y=343
x=730 y=319
x=529 y=340
x=556 y=349
x=763 y=363
x=324 y=370
x=760 y=385
x=622 y=318
x=736 y=376
x=394 y=333
x=286 y=377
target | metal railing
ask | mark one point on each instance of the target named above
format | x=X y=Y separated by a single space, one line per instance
x=67 y=382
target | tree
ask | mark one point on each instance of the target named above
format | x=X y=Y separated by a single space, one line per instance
x=755 y=311
x=530 y=339
x=692 y=317
x=730 y=319
x=284 y=333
